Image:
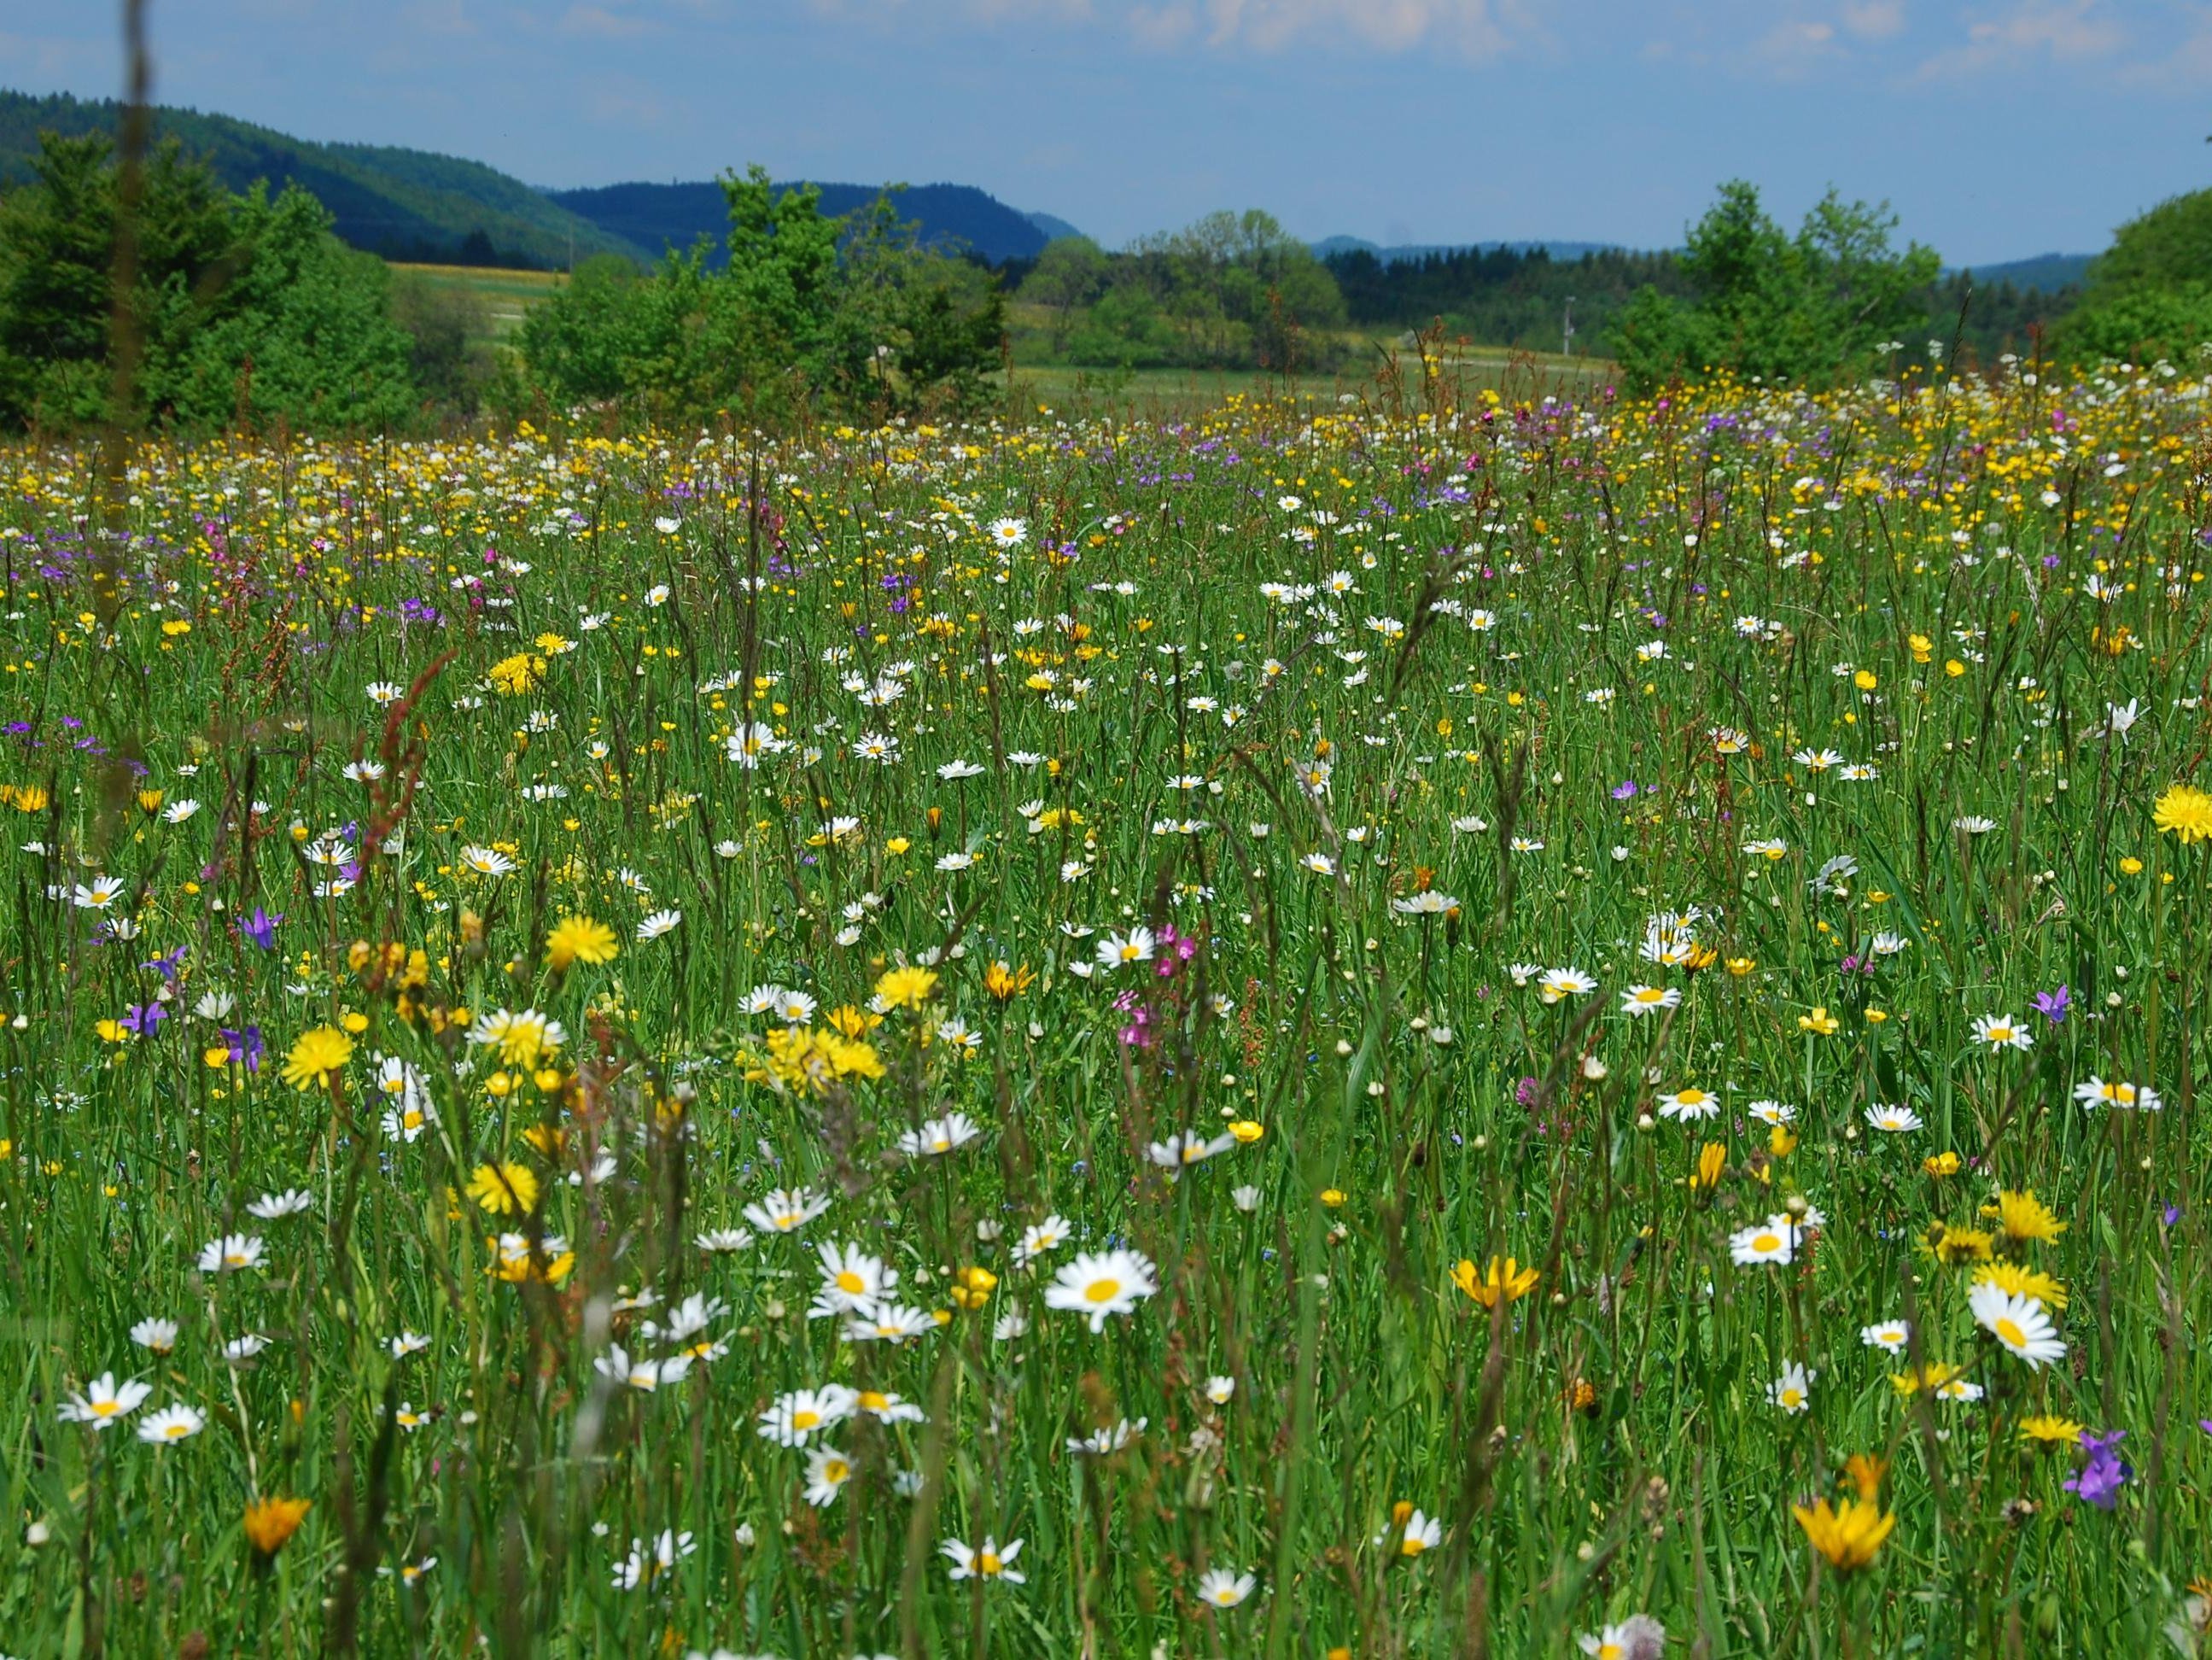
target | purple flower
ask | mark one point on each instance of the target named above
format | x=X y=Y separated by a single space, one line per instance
x=2103 y=1471
x=2052 y=1005
x=246 y=1046
x=167 y=965
x=261 y=928
x=144 y=1019
x=1623 y=790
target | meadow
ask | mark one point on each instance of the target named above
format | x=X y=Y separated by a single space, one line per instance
x=1515 y=1023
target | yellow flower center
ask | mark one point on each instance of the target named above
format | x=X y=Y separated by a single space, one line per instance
x=989 y=1563
x=804 y=1419
x=1766 y=1242
x=2010 y=1335
x=1103 y=1291
x=851 y=1283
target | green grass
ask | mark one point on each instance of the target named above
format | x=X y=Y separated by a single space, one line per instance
x=501 y=298
x=1264 y=677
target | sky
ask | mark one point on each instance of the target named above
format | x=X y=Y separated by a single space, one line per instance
x=1996 y=129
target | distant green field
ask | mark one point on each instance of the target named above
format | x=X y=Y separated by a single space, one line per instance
x=504 y=295
x=507 y=295
x=1071 y=389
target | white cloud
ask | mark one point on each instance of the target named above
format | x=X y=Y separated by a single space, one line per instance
x=1790 y=49
x=597 y=23
x=2067 y=31
x=1470 y=26
x=2183 y=66
x=1874 y=19
x=1477 y=29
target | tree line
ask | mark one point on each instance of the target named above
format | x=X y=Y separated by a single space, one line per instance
x=244 y=310
x=247 y=311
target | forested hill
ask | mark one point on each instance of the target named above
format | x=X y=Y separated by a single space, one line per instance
x=403 y=203
x=657 y=216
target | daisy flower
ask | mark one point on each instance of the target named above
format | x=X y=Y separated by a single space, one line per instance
x=173 y=1423
x=2017 y=1322
x=985 y=1562
x=1556 y=985
x=1793 y=1390
x=1769 y=1241
x=2002 y=1031
x=791 y=1418
x=1890 y=1335
x=1225 y=1588
x=1688 y=1104
x=1048 y=1235
x=786 y=1210
x=104 y=1401
x=2128 y=1097
x=1103 y=1283
x=827 y=1471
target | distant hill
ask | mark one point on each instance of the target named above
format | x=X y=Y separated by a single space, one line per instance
x=1330 y=246
x=658 y=216
x=404 y=203
x=1054 y=227
x=2046 y=272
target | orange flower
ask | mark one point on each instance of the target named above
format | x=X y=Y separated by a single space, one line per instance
x=271 y=1522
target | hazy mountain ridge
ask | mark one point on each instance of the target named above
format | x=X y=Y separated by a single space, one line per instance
x=404 y=203
x=421 y=204
x=654 y=217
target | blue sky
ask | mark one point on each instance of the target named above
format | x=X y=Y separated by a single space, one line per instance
x=1996 y=128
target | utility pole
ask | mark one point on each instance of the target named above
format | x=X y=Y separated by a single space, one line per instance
x=1567 y=330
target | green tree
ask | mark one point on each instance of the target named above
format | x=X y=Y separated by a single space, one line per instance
x=580 y=346
x=852 y=310
x=57 y=272
x=1762 y=303
x=242 y=307
x=2150 y=293
x=1068 y=277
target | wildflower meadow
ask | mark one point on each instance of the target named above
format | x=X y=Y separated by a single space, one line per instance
x=1532 y=1023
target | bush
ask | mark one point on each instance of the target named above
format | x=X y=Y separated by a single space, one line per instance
x=849 y=311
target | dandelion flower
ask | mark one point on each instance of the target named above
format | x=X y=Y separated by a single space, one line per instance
x=579 y=939
x=2185 y=812
x=317 y=1057
x=1848 y=1534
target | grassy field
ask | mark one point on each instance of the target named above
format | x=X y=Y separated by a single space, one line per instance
x=1521 y=1026
x=502 y=298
